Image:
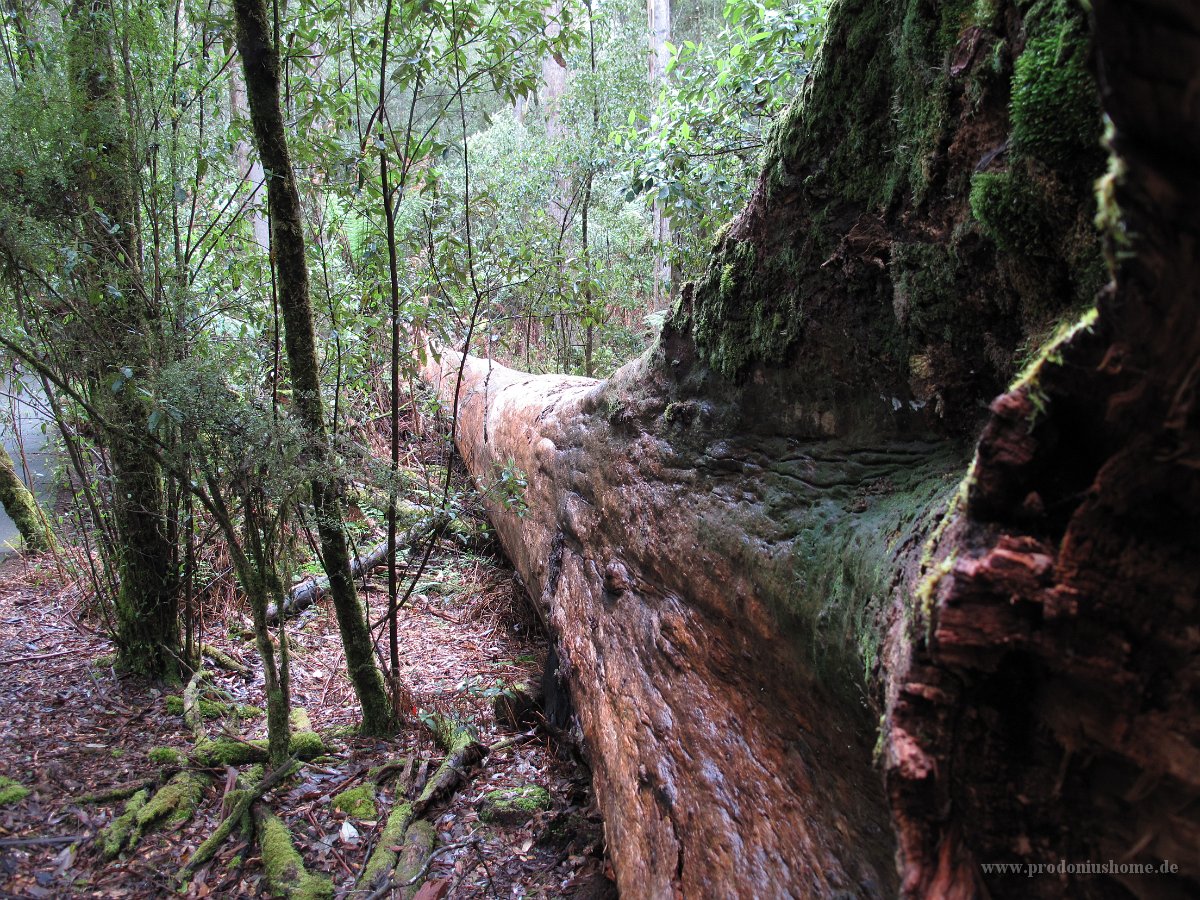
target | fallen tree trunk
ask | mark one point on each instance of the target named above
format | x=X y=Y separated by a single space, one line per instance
x=812 y=648
x=309 y=591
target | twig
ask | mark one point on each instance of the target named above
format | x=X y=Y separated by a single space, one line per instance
x=34 y=842
x=17 y=659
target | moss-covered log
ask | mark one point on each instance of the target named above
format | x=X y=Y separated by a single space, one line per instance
x=283 y=863
x=832 y=623
x=173 y=803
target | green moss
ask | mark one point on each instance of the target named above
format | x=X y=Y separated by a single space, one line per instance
x=513 y=805
x=226 y=752
x=116 y=836
x=284 y=866
x=927 y=297
x=1011 y=209
x=11 y=792
x=383 y=859
x=299 y=719
x=212 y=709
x=167 y=757
x=358 y=802
x=175 y=802
x=1055 y=106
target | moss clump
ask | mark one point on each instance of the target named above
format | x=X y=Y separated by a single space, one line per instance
x=299 y=720
x=117 y=835
x=213 y=709
x=1055 y=105
x=11 y=792
x=175 y=801
x=168 y=757
x=1010 y=208
x=358 y=802
x=225 y=752
x=283 y=864
x=514 y=805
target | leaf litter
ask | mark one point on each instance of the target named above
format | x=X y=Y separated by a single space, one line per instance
x=70 y=725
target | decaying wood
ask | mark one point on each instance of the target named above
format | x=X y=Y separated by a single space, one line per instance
x=193 y=715
x=223 y=660
x=1018 y=677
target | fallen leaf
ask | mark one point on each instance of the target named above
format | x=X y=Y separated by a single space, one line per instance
x=433 y=890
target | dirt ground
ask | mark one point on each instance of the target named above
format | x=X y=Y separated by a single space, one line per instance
x=70 y=725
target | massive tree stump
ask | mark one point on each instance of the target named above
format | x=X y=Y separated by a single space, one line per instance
x=828 y=628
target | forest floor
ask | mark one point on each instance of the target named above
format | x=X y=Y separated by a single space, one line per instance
x=70 y=725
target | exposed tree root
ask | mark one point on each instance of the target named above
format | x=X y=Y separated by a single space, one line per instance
x=173 y=803
x=383 y=860
x=120 y=792
x=243 y=799
x=462 y=752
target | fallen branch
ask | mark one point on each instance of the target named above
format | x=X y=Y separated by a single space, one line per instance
x=120 y=792
x=223 y=660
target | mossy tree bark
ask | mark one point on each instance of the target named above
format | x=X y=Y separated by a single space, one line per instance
x=22 y=507
x=814 y=647
x=121 y=341
x=260 y=62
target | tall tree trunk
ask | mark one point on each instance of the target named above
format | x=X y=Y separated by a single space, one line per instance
x=260 y=61
x=242 y=163
x=814 y=650
x=659 y=18
x=124 y=345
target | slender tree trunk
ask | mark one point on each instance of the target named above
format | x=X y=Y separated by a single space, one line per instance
x=260 y=61
x=126 y=315
x=243 y=163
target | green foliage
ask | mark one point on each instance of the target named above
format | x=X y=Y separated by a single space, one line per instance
x=699 y=150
